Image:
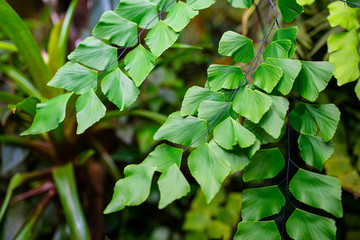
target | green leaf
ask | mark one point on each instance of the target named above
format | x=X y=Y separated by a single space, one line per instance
x=195 y=95
x=209 y=169
x=138 y=63
x=200 y=4
x=267 y=76
x=179 y=16
x=89 y=110
x=289 y=9
x=313 y=78
x=141 y=12
x=160 y=38
x=343 y=15
x=95 y=54
x=321 y=191
x=238 y=47
x=291 y=69
x=264 y=164
x=184 y=131
x=346 y=62
x=65 y=182
x=258 y=203
x=273 y=120
x=48 y=115
x=169 y=193
x=260 y=133
x=265 y=230
x=119 y=89
x=304 y=225
x=74 y=77
x=357 y=90
x=116 y=29
x=132 y=190
x=223 y=76
x=28 y=105
x=252 y=104
x=314 y=151
x=161 y=4
x=209 y=110
x=163 y=157
x=287 y=33
x=230 y=132
x=278 y=49
x=305 y=2
x=240 y=3
x=336 y=41
x=327 y=117
x=348 y=2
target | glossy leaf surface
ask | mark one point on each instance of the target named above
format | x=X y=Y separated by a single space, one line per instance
x=289 y=9
x=265 y=230
x=238 y=47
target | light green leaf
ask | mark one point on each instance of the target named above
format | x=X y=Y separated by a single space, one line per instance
x=95 y=54
x=116 y=29
x=48 y=115
x=265 y=230
x=321 y=191
x=357 y=89
x=89 y=110
x=314 y=151
x=327 y=117
x=291 y=69
x=119 y=89
x=305 y=2
x=169 y=193
x=342 y=15
x=252 y=104
x=209 y=169
x=74 y=77
x=195 y=95
x=258 y=203
x=132 y=190
x=230 y=132
x=160 y=38
x=223 y=76
x=346 y=62
x=184 y=131
x=289 y=9
x=304 y=226
x=163 y=157
x=313 y=78
x=264 y=164
x=141 y=12
x=273 y=120
x=240 y=3
x=139 y=63
x=161 y=4
x=179 y=16
x=267 y=76
x=278 y=49
x=238 y=47
x=336 y=41
x=200 y=4
x=287 y=33
x=209 y=110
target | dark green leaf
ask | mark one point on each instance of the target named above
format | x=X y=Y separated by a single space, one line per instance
x=160 y=38
x=278 y=49
x=209 y=110
x=180 y=15
x=28 y=105
x=265 y=230
x=289 y=9
x=238 y=47
x=267 y=76
x=287 y=33
x=240 y=3
x=223 y=76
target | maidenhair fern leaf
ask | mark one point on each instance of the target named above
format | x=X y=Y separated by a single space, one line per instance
x=223 y=76
x=160 y=38
x=180 y=15
x=238 y=47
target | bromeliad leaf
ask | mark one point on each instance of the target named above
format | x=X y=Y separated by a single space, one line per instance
x=209 y=169
x=200 y=4
x=74 y=77
x=223 y=76
x=314 y=151
x=48 y=115
x=133 y=189
x=304 y=225
x=291 y=69
x=287 y=33
x=264 y=164
x=119 y=89
x=265 y=230
x=230 y=132
x=267 y=76
x=95 y=54
x=184 y=131
x=257 y=203
x=195 y=95
x=278 y=49
x=116 y=29
x=240 y=3
x=139 y=63
x=313 y=78
x=238 y=47
x=160 y=38
x=289 y=9
x=321 y=191
x=180 y=15
x=252 y=104
x=89 y=110
x=141 y=12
